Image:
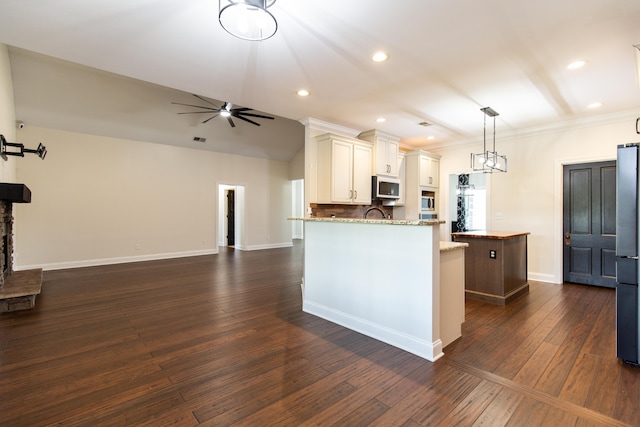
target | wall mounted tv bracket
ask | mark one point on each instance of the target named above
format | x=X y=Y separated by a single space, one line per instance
x=41 y=151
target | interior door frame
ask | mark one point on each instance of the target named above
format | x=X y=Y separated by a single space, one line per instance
x=558 y=198
x=221 y=221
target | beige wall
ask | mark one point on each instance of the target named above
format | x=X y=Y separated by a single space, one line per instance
x=529 y=195
x=98 y=200
x=7 y=114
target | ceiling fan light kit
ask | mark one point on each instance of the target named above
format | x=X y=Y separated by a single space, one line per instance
x=226 y=110
x=488 y=161
x=247 y=19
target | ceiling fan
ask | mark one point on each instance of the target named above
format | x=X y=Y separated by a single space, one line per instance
x=226 y=110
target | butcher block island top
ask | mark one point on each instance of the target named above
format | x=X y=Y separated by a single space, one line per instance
x=495 y=265
x=483 y=234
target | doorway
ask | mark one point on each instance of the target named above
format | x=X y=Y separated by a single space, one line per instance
x=230 y=223
x=589 y=223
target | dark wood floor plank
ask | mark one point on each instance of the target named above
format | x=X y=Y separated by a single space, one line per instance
x=222 y=339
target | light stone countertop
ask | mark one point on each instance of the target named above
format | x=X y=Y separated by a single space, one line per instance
x=370 y=220
x=452 y=246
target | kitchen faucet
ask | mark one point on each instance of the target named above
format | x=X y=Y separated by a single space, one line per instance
x=384 y=216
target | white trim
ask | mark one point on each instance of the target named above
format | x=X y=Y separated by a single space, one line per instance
x=558 y=239
x=506 y=135
x=117 y=260
x=430 y=351
x=541 y=277
x=268 y=246
x=320 y=126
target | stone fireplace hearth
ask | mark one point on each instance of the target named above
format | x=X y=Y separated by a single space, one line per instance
x=18 y=289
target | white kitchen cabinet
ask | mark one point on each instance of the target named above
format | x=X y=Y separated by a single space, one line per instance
x=429 y=171
x=421 y=178
x=344 y=170
x=401 y=177
x=385 y=152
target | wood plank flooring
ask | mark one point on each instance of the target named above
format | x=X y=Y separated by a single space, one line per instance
x=221 y=340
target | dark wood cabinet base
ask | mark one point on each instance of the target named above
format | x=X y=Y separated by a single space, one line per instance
x=495 y=266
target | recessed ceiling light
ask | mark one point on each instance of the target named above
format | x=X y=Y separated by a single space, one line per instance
x=381 y=120
x=303 y=92
x=431 y=137
x=576 y=64
x=595 y=105
x=380 y=56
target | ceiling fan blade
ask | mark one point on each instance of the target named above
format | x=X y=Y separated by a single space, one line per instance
x=242 y=109
x=257 y=115
x=205 y=100
x=196 y=106
x=212 y=117
x=231 y=122
x=247 y=120
x=199 y=112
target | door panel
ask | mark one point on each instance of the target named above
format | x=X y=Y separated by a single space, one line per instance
x=590 y=223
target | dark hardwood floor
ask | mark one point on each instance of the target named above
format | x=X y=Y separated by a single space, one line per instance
x=221 y=340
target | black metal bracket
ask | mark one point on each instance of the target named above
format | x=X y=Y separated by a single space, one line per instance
x=41 y=151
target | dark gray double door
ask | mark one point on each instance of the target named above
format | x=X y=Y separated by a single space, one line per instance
x=589 y=228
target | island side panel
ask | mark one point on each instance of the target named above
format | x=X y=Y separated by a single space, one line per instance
x=380 y=280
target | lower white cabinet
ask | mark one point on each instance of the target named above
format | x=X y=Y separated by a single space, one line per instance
x=344 y=170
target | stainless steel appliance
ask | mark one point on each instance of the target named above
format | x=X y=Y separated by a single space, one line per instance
x=385 y=187
x=627 y=228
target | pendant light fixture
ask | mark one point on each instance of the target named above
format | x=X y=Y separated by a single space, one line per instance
x=247 y=19
x=489 y=161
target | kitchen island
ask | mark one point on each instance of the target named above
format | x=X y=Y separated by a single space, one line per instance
x=379 y=277
x=495 y=265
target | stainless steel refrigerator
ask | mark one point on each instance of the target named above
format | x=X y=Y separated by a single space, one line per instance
x=627 y=227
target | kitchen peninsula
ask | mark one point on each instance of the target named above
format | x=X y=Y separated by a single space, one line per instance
x=382 y=278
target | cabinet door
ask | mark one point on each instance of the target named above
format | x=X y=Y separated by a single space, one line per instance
x=341 y=172
x=401 y=176
x=392 y=157
x=361 y=175
x=425 y=172
x=435 y=172
x=429 y=171
x=381 y=156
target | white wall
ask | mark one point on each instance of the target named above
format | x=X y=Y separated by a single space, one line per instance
x=7 y=114
x=98 y=200
x=529 y=195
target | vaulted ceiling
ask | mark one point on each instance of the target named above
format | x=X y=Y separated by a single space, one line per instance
x=116 y=65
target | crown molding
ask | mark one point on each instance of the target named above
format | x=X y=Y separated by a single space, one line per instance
x=583 y=122
x=326 y=127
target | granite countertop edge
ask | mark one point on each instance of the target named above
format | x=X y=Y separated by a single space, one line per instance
x=452 y=246
x=370 y=220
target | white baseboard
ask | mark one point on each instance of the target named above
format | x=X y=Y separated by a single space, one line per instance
x=412 y=344
x=268 y=246
x=117 y=260
x=541 y=277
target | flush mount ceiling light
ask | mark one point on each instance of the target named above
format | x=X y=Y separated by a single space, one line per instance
x=489 y=161
x=577 y=64
x=247 y=19
x=379 y=56
x=303 y=92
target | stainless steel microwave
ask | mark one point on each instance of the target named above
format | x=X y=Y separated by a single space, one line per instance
x=385 y=187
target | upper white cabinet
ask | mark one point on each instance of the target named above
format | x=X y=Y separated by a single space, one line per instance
x=423 y=169
x=429 y=170
x=344 y=170
x=385 y=152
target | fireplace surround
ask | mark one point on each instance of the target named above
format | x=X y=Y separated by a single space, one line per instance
x=18 y=289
